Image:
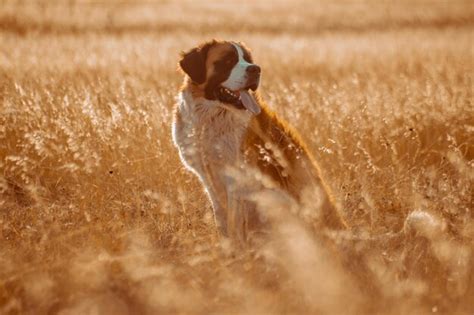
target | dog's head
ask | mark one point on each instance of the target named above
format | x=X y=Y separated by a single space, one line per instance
x=225 y=72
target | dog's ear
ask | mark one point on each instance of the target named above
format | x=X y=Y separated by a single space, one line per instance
x=193 y=64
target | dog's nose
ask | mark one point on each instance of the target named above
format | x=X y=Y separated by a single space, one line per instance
x=253 y=70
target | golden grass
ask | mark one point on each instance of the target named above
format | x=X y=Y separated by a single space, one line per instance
x=97 y=213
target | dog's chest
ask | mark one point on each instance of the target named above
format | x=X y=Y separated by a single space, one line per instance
x=209 y=134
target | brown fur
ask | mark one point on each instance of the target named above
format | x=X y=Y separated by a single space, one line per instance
x=215 y=52
x=301 y=170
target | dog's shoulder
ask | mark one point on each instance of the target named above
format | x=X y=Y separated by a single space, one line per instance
x=274 y=133
x=279 y=150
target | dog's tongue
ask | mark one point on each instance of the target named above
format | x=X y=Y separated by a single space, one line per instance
x=249 y=102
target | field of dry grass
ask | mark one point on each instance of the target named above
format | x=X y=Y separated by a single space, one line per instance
x=98 y=216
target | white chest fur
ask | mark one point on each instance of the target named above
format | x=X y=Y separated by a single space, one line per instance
x=207 y=134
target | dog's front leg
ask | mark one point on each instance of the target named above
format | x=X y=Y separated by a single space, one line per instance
x=241 y=211
x=220 y=211
x=215 y=187
x=235 y=219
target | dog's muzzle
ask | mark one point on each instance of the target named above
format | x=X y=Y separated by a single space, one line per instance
x=253 y=77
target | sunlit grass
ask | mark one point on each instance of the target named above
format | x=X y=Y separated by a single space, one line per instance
x=97 y=212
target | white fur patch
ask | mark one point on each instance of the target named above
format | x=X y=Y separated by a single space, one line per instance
x=200 y=137
x=238 y=76
x=209 y=137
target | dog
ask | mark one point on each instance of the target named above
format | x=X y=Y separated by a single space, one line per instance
x=236 y=145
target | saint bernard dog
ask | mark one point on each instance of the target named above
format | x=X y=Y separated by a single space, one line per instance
x=236 y=145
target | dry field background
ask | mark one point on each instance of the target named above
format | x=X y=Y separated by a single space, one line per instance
x=98 y=216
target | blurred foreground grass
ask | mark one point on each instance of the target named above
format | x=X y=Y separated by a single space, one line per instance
x=98 y=215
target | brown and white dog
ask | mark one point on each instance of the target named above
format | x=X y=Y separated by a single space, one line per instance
x=236 y=146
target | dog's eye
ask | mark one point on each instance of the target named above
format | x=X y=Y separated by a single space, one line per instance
x=227 y=61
